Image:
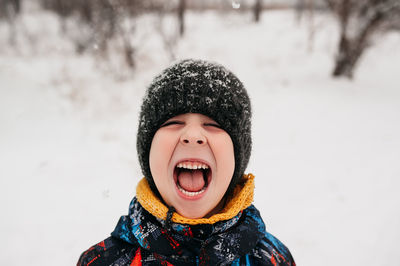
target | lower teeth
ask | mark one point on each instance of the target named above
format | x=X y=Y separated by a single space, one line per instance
x=189 y=193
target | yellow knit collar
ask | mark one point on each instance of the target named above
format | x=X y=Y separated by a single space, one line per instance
x=241 y=199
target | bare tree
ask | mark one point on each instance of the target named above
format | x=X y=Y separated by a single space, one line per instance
x=307 y=8
x=9 y=10
x=127 y=9
x=311 y=25
x=181 y=16
x=7 y=6
x=257 y=9
x=99 y=15
x=100 y=22
x=359 y=21
x=169 y=34
x=299 y=7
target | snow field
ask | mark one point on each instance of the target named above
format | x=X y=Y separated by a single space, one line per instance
x=325 y=152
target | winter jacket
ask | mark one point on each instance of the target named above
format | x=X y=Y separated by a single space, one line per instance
x=151 y=235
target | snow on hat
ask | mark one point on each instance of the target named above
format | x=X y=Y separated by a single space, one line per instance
x=196 y=86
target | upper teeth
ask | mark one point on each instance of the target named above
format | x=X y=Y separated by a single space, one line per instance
x=192 y=165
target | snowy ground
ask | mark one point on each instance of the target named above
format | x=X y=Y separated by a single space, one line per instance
x=326 y=152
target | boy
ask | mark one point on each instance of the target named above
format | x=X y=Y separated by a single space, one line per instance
x=194 y=205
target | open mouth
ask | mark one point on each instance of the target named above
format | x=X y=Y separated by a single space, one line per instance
x=192 y=177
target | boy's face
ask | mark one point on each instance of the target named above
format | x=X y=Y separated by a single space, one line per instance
x=192 y=162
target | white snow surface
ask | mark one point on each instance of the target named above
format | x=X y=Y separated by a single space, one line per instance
x=326 y=152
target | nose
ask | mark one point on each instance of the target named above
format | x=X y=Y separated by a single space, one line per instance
x=193 y=136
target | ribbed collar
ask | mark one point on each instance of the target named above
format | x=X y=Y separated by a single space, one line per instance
x=207 y=243
x=241 y=199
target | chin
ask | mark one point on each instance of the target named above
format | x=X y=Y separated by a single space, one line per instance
x=192 y=213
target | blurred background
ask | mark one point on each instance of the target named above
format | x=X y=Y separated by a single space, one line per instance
x=323 y=76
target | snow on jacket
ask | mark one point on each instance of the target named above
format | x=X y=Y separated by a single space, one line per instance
x=150 y=235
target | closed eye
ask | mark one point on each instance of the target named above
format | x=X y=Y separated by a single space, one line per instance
x=212 y=125
x=173 y=122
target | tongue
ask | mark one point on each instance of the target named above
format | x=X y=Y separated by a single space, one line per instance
x=191 y=180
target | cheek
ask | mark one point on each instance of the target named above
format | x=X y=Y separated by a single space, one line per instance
x=161 y=151
x=224 y=155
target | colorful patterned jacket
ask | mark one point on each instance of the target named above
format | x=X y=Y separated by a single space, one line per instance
x=150 y=235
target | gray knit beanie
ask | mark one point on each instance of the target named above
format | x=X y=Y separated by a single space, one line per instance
x=196 y=86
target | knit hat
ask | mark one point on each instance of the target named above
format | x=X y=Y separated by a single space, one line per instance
x=196 y=86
